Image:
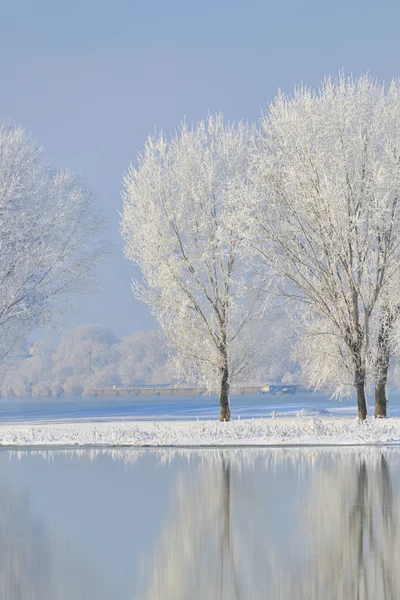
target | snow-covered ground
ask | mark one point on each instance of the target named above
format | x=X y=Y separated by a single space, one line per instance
x=300 y=430
x=303 y=419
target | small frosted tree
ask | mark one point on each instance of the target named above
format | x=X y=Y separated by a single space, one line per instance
x=326 y=213
x=50 y=239
x=180 y=227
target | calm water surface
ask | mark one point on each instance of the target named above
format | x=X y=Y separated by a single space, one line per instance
x=200 y=524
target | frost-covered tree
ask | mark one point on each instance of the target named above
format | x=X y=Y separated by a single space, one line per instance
x=324 y=357
x=180 y=227
x=325 y=214
x=50 y=238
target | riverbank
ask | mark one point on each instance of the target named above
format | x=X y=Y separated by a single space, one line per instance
x=281 y=431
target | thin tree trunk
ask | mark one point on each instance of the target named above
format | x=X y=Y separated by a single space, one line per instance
x=225 y=409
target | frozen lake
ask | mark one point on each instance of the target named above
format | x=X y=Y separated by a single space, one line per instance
x=210 y=524
x=154 y=408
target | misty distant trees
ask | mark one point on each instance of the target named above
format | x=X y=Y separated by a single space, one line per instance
x=309 y=205
x=50 y=239
x=91 y=356
x=87 y=357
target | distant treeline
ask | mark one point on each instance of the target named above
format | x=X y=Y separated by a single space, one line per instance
x=92 y=356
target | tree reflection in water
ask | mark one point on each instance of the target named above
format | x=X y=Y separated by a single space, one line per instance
x=196 y=556
x=353 y=532
x=230 y=535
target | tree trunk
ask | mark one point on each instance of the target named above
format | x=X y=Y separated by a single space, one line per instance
x=382 y=361
x=380 y=399
x=359 y=383
x=361 y=400
x=225 y=409
x=356 y=338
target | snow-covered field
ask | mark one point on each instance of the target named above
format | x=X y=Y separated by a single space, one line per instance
x=303 y=419
x=301 y=430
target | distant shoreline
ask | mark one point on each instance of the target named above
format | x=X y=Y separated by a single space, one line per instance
x=171 y=390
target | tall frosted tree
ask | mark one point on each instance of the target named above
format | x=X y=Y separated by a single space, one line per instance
x=50 y=238
x=180 y=227
x=326 y=217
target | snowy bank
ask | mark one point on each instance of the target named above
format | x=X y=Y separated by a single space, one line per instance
x=301 y=430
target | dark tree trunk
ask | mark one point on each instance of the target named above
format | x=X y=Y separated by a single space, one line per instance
x=380 y=399
x=361 y=399
x=225 y=409
x=359 y=383
x=355 y=340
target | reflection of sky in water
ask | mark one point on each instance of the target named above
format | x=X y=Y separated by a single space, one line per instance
x=106 y=510
x=291 y=523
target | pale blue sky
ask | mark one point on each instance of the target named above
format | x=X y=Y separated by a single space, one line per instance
x=91 y=78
